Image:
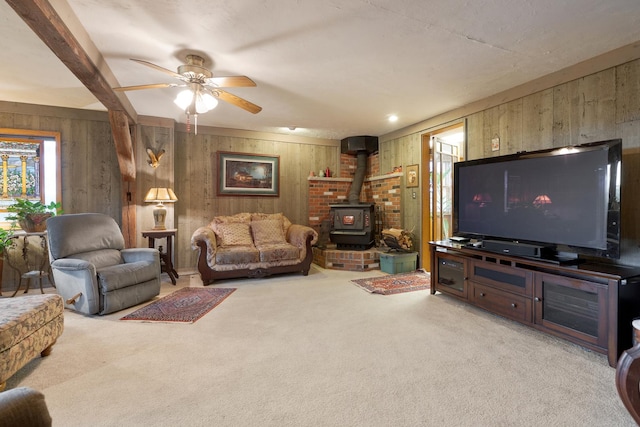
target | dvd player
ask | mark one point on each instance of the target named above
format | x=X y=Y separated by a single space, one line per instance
x=459 y=239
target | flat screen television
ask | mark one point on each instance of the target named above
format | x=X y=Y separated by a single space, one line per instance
x=566 y=200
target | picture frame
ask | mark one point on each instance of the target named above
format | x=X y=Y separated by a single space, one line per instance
x=247 y=174
x=413 y=176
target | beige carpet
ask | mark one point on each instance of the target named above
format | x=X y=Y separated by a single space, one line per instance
x=317 y=351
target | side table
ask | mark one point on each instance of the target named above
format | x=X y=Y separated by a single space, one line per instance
x=27 y=255
x=166 y=258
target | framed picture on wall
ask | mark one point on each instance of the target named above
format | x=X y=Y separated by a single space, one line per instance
x=243 y=174
x=413 y=176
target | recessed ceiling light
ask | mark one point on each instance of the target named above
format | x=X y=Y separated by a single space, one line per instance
x=292 y=128
x=393 y=118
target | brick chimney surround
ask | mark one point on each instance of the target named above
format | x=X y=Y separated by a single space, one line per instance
x=381 y=190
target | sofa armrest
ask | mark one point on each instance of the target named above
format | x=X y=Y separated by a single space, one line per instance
x=206 y=235
x=205 y=238
x=297 y=235
x=302 y=237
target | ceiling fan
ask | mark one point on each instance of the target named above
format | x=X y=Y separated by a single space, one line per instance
x=202 y=89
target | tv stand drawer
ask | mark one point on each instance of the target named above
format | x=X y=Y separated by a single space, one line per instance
x=506 y=304
x=503 y=277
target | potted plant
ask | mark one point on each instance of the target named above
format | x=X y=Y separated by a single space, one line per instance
x=32 y=215
x=5 y=240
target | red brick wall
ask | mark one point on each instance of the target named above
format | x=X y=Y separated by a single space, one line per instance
x=382 y=190
x=347 y=166
x=385 y=193
x=322 y=193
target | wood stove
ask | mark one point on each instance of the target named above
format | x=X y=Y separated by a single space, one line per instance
x=352 y=225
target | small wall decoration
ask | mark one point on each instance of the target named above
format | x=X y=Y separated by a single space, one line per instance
x=242 y=174
x=154 y=158
x=413 y=176
x=495 y=143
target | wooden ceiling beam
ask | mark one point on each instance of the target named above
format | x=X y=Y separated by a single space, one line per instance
x=47 y=24
x=124 y=146
x=70 y=42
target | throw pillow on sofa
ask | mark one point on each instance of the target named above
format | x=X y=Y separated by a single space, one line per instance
x=267 y=232
x=227 y=219
x=277 y=216
x=235 y=234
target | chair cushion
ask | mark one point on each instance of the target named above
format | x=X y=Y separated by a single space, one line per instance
x=22 y=316
x=71 y=234
x=268 y=231
x=237 y=255
x=101 y=258
x=123 y=275
x=235 y=234
x=278 y=252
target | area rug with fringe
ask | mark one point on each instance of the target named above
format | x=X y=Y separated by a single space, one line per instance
x=395 y=283
x=185 y=305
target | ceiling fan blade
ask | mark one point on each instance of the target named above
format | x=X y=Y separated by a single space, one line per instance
x=232 y=81
x=159 y=68
x=150 y=86
x=238 y=102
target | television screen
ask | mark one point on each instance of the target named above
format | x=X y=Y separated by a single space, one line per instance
x=568 y=198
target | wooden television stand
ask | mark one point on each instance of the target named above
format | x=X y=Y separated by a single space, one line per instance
x=589 y=304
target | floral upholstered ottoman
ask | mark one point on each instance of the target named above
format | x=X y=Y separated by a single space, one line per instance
x=29 y=326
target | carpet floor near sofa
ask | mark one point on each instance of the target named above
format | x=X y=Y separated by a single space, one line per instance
x=185 y=305
x=395 y=283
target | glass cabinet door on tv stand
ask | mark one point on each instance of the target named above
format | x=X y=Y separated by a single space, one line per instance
x=451 y=274
x=572 y=307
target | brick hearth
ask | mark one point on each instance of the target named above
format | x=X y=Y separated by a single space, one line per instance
x=335 y=259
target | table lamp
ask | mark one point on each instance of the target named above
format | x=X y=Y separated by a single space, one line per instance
x=160 y=196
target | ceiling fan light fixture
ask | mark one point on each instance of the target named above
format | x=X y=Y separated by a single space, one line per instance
x=205 y=102
x=184 y=99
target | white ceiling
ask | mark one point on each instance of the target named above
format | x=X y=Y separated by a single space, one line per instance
x=332 y=68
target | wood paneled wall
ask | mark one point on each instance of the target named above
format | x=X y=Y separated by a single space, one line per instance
x=156 y=134
x=598 y=106
x=196 y=178
x=403 y=152
x=89 y=167
x=91 y=178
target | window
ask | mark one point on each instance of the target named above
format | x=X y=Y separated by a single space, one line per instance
x=29 y=167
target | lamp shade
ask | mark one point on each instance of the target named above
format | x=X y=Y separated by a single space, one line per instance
x=160 y=195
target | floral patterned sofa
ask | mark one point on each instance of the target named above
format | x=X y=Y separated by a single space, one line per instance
x=252 y=245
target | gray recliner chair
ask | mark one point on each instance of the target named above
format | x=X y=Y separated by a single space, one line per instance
x=23 y=406
x=91 y=268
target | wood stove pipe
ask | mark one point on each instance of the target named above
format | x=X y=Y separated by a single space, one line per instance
x=358 y=179
x=361 y=146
